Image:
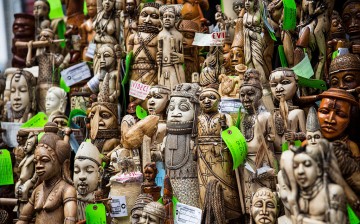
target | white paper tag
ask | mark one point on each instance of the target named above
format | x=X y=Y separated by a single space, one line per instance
x=118 y=206
x=249 y=168
x=186 y=214
x=76 y=73
x=10 y=134
x=230 y=106
x=91 y=50
x=139 y=90
x=213 y=39
x=263 y=169
x=304 y=68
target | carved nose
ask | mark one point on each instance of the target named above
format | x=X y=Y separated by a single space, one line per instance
x=82 y=178
x=330 y=118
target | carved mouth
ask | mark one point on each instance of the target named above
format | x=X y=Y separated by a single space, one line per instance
x=264 y=220
x=40 y=172
x=328 y=128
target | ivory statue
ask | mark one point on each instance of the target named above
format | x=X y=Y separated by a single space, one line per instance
x=264 y=206
x=170 y=55
x=337 y=37
x=313 y=133
x=22 y=97
x=55 y=197
x=289 y=119
x=258 y=129
x=192 y=10
x=115 y=158
x=223 y=22
x=149 y=186
x=212 y=66
x=129 y=19
x=307 y=169
x=48 y=62
x=179 y=144
x=214 y=158
x=41 y=14
x=315 y=17
x=237 y=46
x=343 y=72
x=27 y=179
x=351 y=9
x=153 y=212
x=188 y=29
x=144 y=45
x=19 y=152
x=24 y=30
x=136 y=211
x=56 y=100
x=87 y=175
x=282 y=190
x=73 y=47
x=86 y=29
x=228 y=87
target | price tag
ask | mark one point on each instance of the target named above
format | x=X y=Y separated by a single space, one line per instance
x=289 y=21
x=304 y=68
x=6 y=168
x=186 y=214
x=236 y=143
x=353 y=219
x=212 y=39
x=313 y=83
x=76 y=73
x=118 y=206
x=38 y=121
x=91 y=50
x=140 y=112
x=95 y=214
x=55 y=9
x=139 y=90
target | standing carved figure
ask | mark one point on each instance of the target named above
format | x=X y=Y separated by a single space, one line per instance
x=351 y=20
x=170 y=55
x=87 y=31
x=214 y=158
x=237 y=46
x=337 y=37
x=129 y=20
x=212 y=67
x=149 y=186
x=179 y=144
x=41 y=14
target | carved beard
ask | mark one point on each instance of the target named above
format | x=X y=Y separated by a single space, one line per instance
x=148 y=29
x=83 y=188
x=18 y=114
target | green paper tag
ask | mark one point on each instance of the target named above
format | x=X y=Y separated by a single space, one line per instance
x=85 y=9
x=140 y=112
x=282 y=56
x=40 y=135
x=238 y=121
x=313 y=83
x=55 y=9
x=304 y=68
x=236 y=143
x=37 y=121
x=73 y=114
x=284 y=146
x=6 y=168
x=64 y=86
x=353 y=219
x=88 y=140
x=95 y=214
x=61 y=30
x=289 y=21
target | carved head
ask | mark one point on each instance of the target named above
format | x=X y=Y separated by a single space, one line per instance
x=236 y=55
x=336 y=27
x=345 y=72
x=87 y=169
x=264 y=207
x=154 y=212
x=91 y=8
x=351 y=18
x=140 y=202
x=283 y=82
x=56 y=99
x=24 y=25
x=21 y=137
x=60 y=120
x=108 y=5
x=158 y=99
x=130 y=6
x=31 y=142
x=46 y=34
x=150 y=15
x=150 y=172
x=251 y=91
x=237 y=5
x=209 y=100
x=313 y=130
x=334 y=112
x=188 y=29
x=41 y=8
x=106 y=56
x=168 y=16
x=251 y=5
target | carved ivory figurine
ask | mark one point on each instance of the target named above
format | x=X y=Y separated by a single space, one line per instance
x=136 y=211
x=22 y=97
x=351 y=20
x=214 y=159
x=257 y=127
x=87 y=31
x=153 y=213
x=18 y=151
x=56 y=99
x=41 y=14
x=54 y=198
x=170 y=55
x=264 y=206
x=289 y=120
x=178 y=144
x=337 y=37
x=316 y=200
x=129 y=20
x=87 y=175
x=212 y=66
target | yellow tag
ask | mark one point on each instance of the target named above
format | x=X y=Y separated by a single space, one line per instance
x=236 y=143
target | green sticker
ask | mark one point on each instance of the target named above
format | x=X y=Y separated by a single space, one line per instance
x=282 y=56
x=313 y=83
x=40 y=135
x=353 y=219
x=304 y=68
x=37 y=121
x=289 y=21
x=88 y=140
x=55 y=9
x=95 y=214
x=85 y=9
x=140 y=112
x=74 y=114
x=6 y=168
x=64 y=86
x=236 y=143
x=334 y=55
x=61 y=30
x=238 y=121
x=284 y=146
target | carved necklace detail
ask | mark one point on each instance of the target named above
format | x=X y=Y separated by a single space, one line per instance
x=248 y=126
x=279 y=123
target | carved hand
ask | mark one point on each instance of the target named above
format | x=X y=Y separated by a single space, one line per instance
x=289 y=136
x=176 y=58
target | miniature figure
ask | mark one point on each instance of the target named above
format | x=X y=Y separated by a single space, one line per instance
x=19 y=152
x=337 y=37
x=167 y=199
x=41 y=14
x=264 y=208
x=237 y=46
x=129 y=20
x=87 y=31
x=56 y=100
x=149 y=186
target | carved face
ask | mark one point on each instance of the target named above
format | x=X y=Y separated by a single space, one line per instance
x=283 y=190
x=23 y=27
x=91 y=8
x=30 y=144
x=334 y=117
x=249 y=97
x=351 y=18
x=47 y=165
x=236 y=56
x=108 y=5
x=147 y=218
x=249 y=4
x=345 y=80
x=188 y=38
x=306 y=170
x=106 y=56
x=61 y=122
x=106 y=119
x=237 y=7
x=136 y=215
x=40 y=9
x=130 y=6
x=336 y=25
x=114 y=161
x=180 y=110
x=19 y=95
x=150 y=16
x=169 y=19
x=157 y=101
x=313 y=137
x=149 y=174
x=264 y=208
x=46 y=35
x=52 y=102
x=282 y=85
x=209 y=101
x=86 y=176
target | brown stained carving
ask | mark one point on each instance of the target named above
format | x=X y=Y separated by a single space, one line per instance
x=149 y=186
x=74 y=12
x=167 y=199
x=212 y=66
x=351 y=23
x=192 y=10
x=337 y=37
x=18 y=151
x=86 y=29
x=129 y=20
x=55 y=197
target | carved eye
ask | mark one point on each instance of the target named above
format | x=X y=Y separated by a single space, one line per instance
x=323 y=111
x=171 y=107
x=270 y=205
x=258 y=204
x=334 y=82
x=155 y=16
x=349 y=78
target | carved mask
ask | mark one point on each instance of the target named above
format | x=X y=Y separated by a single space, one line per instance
x=180 y=110
x=55 y=100
x=236 y=56
x=237 y=7
x=105 y=118
x=306 y=170
x=106 y=56
x=282 y=84
x=351 y=18
x=157 y=100
x=19 y=95
x=209 y=101
x=150 y=16
x=264 y=207
x=313 y=137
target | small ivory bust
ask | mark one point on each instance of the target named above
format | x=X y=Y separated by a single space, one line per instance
x=56 y=100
